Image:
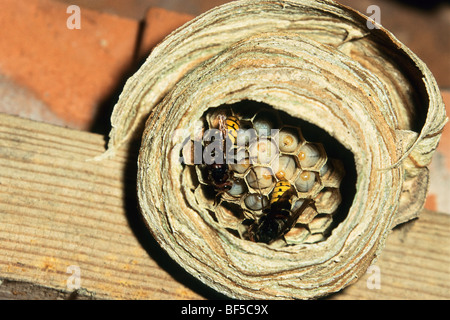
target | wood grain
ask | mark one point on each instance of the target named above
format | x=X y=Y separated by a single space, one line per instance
x=58 y=208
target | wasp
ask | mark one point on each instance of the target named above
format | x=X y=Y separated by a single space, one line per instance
x=229 y=128
x=277 y=219
x=219 y=174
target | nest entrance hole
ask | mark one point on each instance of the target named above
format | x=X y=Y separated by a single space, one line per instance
x=225 y=189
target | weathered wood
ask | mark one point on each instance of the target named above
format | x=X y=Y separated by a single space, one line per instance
x=58 y=209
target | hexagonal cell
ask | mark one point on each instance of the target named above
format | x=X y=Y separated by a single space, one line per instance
x=305 y=181
x=263 y=151
x=328 y=200
x=296 y=203
x=314 y=238
x=245 y=135
x=238 y=188
x=312 y=156
x=255 y=201
x=225 y=197
x=324 y=170
x=264 y=121
x=284 y=167
x=261 y=179
x=297 y=234
x=242 y=162
x=320 y=223
x=308 y=214
x=332 y=177
x=289 y=139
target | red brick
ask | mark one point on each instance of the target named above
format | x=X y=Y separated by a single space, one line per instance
x=444 y=143
x=72 y=71
x=158 y=24
x=437 y=198
x=431 y=202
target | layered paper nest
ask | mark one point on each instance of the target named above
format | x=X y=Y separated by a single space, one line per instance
x=319 y=63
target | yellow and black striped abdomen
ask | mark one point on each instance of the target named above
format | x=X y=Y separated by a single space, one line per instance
x=232 y=126
x=282 y=192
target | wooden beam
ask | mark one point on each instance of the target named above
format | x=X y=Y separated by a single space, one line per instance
x=64 y=217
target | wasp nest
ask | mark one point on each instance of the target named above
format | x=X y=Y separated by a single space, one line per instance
x=320 y=64
x=262 y=152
